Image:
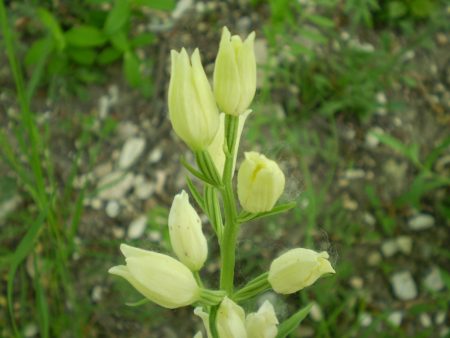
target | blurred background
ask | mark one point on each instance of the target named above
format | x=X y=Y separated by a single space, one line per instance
x=353 y=101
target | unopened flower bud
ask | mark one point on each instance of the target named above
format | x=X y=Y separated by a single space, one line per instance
x=297 y=269
x=192 y=108
x=160 y=278
x=186 y=236
x=262 y=324
x=260 y=183
x=230 y=320
x=235 y=73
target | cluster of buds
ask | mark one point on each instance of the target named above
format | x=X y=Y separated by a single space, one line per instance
x=210 y=121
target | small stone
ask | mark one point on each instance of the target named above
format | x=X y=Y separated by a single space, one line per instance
x=131 y=151
x=137 y=228
x=154 y=235
x=103 y=169
x=97 y=293
x=352 y=174
x=127 y=129
x=425 y=320
x=316 y=312
x=371 y=140
x=395 y=318
x=421 y=222
x=104 y=104
x=155 y=155
x=96 y=203
x=8 y=206
x=118 y=232
x=115 y=185
x=444 y=332
x=440 y=317
x=374 y=259
x=356 y=282
x=30 y=330
x=369 y=219
x=365 y=319
x=349 y=204
x=404 y=286
x=181 y=8
x=433 y=280
x=389 y=248
x=381 y=98
x=442 y=39
x=404 y=244
x=112 y=209
x=142 y=188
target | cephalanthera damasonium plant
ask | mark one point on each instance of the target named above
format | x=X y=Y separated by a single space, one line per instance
x=194 y=111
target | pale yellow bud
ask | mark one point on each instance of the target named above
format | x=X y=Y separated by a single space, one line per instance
x=230 y=320
x=215 y=149
x=260 y=183
x=262 y=324
x=192 y=108
x=235 y=73
x=160 y=278
x=297 y=269
x=186 y=236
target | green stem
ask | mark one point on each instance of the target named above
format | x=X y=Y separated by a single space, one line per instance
x=228 y=243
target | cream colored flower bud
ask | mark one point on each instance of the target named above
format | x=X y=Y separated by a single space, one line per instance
x=160 y=278
x=235 y=73
x=186 y=236
x=262 y=324
x=215 y=149
x=297 y=269
x=198 y=311
x=230 y=320
x=260 y=183
x=192 y=108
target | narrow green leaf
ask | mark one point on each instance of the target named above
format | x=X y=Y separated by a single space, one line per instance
x=52 y=24
x=321 y=21
x=82 y=56
x=22 y=251
x=137 y=303
x=108 y=55
x=85 y=36
x=131 y=66
x=162 y=5
x=117 y=17
x=194 y=192
x=290 y=324
x=143 y=39
x=278 y=209
x=120 y=41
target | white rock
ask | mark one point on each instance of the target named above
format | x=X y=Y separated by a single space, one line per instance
x=425 y=320
x=155 y=155
x=374 y=258
x=395 y=318
x=96 y=203
x=365 y=319
x=127 y=129
x=97 y=293
x=112 y=209
x=9 y=206
x=30 y=330
x=353 y=174
x=389 y=248
x=118 y=232
x=104 y=103
x=181 y=8
x=433 y=281
x=403 y=285
x=440 y=317
x=145 y=190
x=369 y=219
x=371 y=140
x=131 y=151
x=421 y=222
x=115 y=185
x=404 y=244
x=137 y=228
x=316 y=312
